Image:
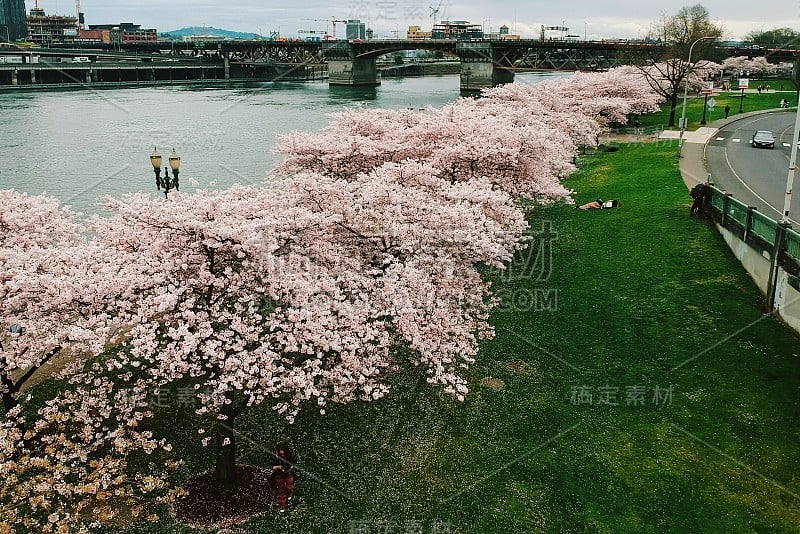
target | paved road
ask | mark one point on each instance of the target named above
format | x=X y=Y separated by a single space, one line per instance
x=755 y=176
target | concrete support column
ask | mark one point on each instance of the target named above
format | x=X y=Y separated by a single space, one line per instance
x=476 y=75
x=482 y=66
x=33 y=77
x=358 y=71
x=14 y=77
x=227 y=66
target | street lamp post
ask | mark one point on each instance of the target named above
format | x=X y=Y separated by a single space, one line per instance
x=792 y=167
x=741 y=97
x=166 y=182
x=705 y=104
x=685 y=91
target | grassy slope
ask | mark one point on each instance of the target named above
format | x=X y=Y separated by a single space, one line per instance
x=640 y=290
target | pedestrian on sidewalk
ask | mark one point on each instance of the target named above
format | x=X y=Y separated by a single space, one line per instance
x=727 y=110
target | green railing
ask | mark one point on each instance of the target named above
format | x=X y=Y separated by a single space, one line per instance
x=737 y=211
x=750 y=224
x=717 y=199
x=763 y=227
x=792 y=248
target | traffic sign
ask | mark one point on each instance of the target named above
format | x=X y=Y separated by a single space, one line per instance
x=711 y=103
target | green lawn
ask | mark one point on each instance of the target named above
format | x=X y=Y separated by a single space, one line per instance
x=638 y=290
x=733 y=98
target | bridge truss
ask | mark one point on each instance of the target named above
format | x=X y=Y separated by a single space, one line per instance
x=281 y=53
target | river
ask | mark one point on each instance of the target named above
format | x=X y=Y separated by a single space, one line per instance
x=81 y=145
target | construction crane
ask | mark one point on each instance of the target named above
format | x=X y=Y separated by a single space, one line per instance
x=80 y=13
x=434 y=12
x=332 y=21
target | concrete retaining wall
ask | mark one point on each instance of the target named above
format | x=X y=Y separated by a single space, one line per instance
x=758 y=266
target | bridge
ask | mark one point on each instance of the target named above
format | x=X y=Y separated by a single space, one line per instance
x=484 y=63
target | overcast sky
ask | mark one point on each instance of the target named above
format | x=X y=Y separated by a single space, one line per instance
x=595 y=19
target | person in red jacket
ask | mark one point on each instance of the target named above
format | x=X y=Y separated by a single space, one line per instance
x=283 y=474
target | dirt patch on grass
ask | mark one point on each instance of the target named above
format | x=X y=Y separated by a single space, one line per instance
x=492 y=383
x=203 y=503
x=520 y=367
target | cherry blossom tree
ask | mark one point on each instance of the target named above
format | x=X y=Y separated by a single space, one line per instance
x=421 y=237
x=745 y=64
x=258 y=297
x=602 y=96
x=668 y=78
x=66 y=458
x=47 y=277
x=462 y=141
x=521 y=138
x=66 y=469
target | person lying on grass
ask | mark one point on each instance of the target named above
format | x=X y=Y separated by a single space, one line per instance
x=600 y=205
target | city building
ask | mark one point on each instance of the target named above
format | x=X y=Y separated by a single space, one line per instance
x=12 y=20
x=415 y=33
x=45 y=29
x=127 y=32
x=356 y=29
x=370 y=33
x=502 y=35
x=456 y=29
x=95 y=36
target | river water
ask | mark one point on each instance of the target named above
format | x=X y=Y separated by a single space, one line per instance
x=81 y=145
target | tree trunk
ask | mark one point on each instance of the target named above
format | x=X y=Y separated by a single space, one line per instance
x=226 y=454
x=673 y=105
x=9 y=402
x=10 y=395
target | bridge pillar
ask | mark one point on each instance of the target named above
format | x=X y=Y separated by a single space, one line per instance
x=357 y=71
x=483 y=66
x=14 y=77
x=346 y=68
x=33 y=77
x=227 y=60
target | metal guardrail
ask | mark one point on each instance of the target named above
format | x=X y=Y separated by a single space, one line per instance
x=745 y=221
x=793 y=244
x=645 y=131
x=777 y=242
x=764 y=227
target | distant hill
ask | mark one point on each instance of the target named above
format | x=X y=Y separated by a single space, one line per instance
x=209 y=31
